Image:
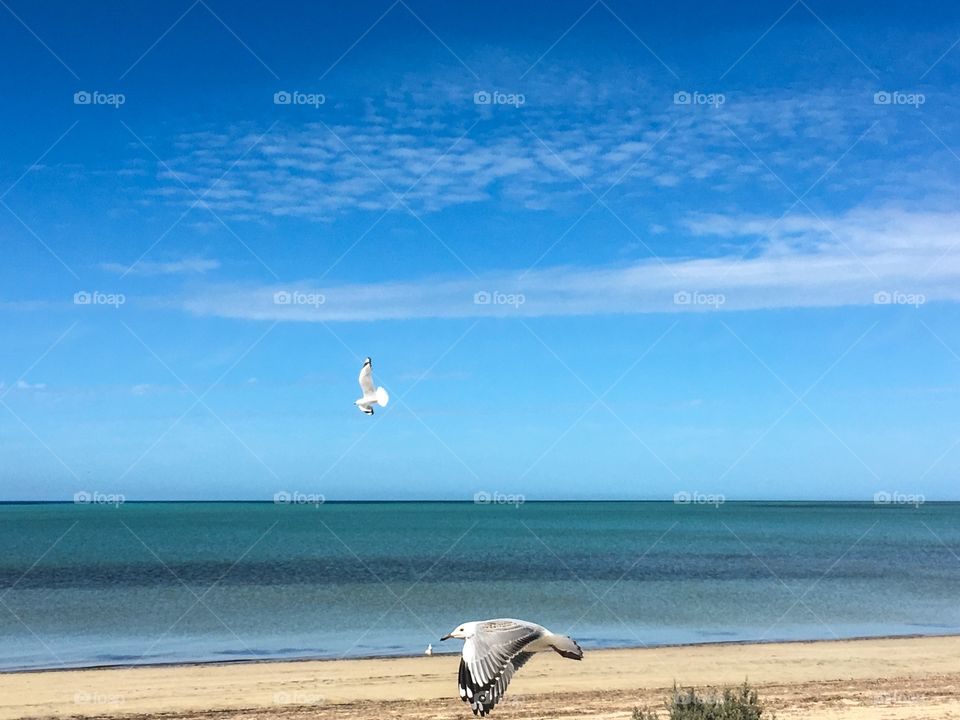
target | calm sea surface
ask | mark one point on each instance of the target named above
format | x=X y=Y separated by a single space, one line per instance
x=170 y=582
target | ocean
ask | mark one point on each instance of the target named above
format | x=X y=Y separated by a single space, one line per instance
x=99 y=584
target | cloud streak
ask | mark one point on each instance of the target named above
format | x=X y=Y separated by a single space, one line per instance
x=863 y=257
x=453 y=152
x=186 y=266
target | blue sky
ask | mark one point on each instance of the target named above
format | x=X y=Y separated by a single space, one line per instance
x=596 y=250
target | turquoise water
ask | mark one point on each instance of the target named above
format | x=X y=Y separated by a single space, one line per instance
x=175 y=582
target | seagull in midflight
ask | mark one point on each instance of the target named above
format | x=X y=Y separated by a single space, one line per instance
x=371 y=395
x=494 y=650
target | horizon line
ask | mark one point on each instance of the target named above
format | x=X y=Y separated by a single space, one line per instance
x=524 y=501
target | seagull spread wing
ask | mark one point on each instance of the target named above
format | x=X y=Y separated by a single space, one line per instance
x=490 y=658
x=366 y=379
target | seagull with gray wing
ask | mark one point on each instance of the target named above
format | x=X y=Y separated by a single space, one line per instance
x=371 y=395
x=494 y=650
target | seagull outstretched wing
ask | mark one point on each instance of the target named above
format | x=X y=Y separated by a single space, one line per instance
x=489 y=660
x=366 y=379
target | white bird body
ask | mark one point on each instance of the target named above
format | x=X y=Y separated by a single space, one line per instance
x=429 y=650
x=493 y=650
x=371 y=395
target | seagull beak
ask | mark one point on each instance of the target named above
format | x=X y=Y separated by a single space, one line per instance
x=445 y=637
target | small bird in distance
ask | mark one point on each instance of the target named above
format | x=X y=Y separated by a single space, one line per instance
x=371 y=395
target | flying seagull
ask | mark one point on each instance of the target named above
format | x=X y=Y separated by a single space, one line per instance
x=371 y=396
x=494 y=650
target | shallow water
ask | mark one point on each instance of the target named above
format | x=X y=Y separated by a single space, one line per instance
x=175 y=582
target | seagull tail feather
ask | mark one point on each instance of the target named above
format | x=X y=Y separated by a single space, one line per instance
x=383 y=397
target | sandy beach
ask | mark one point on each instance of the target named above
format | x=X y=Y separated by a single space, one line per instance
x=897 y=679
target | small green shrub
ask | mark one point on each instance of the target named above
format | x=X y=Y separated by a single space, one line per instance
x=739 y=704
x=639 y=714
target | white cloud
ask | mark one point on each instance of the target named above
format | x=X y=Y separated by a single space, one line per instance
x=318 y=170
x=846 y=260
x=175 y=267
x=24 y=385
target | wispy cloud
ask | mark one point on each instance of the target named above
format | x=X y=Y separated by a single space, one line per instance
x=537 y=155
x=866 y=256
x=185 y=266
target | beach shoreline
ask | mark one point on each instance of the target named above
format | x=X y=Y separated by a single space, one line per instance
x=441 y=651
x=915 y=677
